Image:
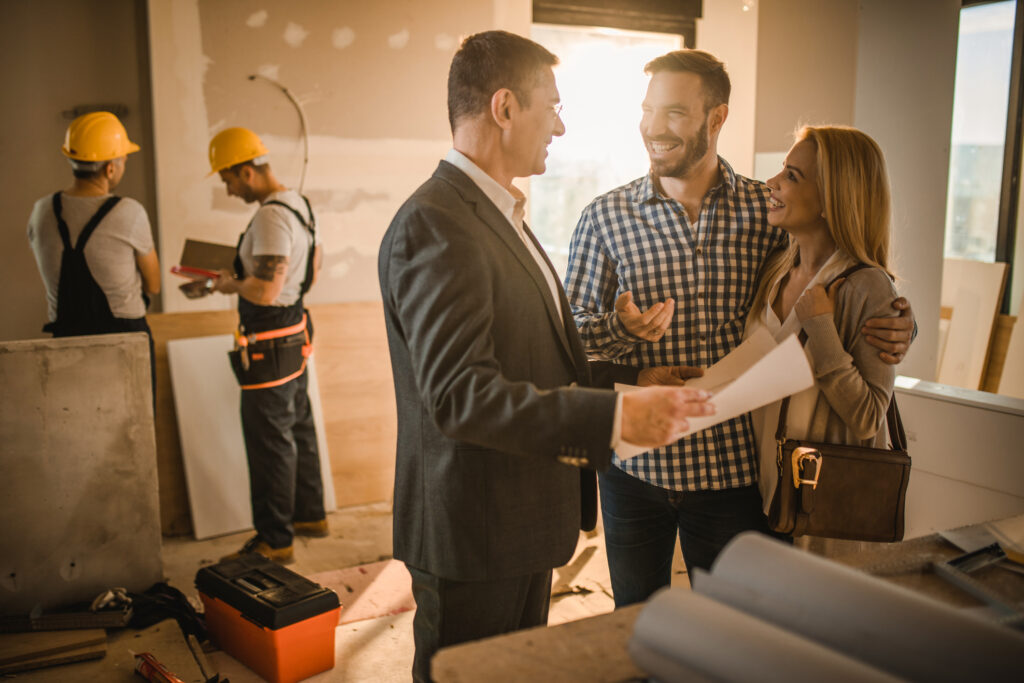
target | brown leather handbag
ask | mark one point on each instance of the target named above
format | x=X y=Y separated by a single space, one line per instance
x=835 y=491
x=855 y=493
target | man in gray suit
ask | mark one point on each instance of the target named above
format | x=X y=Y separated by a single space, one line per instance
x=500 y=428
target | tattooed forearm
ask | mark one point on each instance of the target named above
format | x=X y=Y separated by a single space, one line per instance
x=266 y=267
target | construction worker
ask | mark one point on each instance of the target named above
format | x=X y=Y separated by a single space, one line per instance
x=94 y=249
x=277 y=262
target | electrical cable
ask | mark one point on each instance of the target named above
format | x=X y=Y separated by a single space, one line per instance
x=302 y=122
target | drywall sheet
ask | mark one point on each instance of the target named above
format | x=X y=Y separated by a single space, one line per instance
x=78 y=489
x=207 y=398
x=974 y=290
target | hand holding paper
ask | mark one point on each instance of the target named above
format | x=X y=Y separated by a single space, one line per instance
x=654 y=416
x=756 y=373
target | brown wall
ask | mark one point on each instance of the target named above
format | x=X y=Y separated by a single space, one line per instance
x=806 y=67
x=58 y=55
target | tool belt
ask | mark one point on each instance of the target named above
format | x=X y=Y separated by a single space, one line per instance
x=272 y=358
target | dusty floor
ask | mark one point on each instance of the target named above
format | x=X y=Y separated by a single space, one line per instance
x=381 y=649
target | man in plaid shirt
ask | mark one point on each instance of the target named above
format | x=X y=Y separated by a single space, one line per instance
x=687 y=243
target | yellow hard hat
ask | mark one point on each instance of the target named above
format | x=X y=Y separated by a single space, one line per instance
x=97 y=136
x=233 y=146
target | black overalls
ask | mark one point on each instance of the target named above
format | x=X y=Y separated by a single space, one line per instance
x=82 y=307
x=277 y=423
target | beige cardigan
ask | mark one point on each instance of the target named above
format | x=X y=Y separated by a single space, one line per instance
x=855 y=383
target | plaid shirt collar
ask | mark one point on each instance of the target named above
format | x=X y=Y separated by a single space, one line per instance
x=647 y=190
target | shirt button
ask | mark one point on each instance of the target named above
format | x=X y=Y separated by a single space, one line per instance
x=703 y=337
x=700 y=250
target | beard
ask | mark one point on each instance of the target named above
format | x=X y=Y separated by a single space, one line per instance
x=694 y=149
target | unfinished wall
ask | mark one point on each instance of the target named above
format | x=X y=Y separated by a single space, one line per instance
x=78 y=494
x=58 y=55
x=371 y=78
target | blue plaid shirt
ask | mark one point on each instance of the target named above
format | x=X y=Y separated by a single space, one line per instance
x=635 y=238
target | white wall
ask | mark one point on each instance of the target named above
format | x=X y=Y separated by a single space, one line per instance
x=906 y=62
x=730 y=32
x=966 y=456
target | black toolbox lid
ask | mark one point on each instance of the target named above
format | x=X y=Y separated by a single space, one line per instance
x=265 y=592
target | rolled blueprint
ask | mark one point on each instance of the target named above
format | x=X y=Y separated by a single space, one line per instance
x=869 y=619
x=681 y=633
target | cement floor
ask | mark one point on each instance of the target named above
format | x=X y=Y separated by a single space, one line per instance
x=381 y=649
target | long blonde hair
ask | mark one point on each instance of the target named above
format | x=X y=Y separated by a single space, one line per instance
x=854 y=188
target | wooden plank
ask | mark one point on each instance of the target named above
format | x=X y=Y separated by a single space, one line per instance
x=17 y=647
x=997 y=352
x=977 y=291
x=592 y=650
x=163 y=640
x=1011 y=382
x=356 y=392
x=80 y=654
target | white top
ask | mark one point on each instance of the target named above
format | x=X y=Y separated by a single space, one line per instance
x=110 y=253
x=275 y=231
x=801 y=405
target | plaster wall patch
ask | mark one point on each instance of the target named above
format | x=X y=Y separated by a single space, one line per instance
x=397 y=41
x=257 y=19
x=444 y=41
x=270 y=71
x=342 y=37
x=294 y=34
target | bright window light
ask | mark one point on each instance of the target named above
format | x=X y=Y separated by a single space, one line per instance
x=602 y=82
x=979 y=130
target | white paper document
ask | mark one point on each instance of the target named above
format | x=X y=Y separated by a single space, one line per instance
x=756 y=373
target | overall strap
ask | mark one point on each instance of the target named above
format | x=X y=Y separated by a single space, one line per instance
x=89 y=228
x=309 y=225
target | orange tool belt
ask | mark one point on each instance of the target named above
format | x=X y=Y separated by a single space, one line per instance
x=268 y=359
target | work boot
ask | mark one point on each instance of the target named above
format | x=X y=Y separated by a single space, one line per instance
x=285 y=555
x=317 y=529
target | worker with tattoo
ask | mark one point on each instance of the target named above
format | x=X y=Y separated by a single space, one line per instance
x=277 y=262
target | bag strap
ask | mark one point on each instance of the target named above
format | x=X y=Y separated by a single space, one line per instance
x=897 y=435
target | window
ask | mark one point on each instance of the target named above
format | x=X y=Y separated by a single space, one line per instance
x=602 y=83
x=982 y=202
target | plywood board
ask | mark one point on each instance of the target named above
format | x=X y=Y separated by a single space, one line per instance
x=1011 y=382
x=206 y=399
x=976 y=289
x=17 y=647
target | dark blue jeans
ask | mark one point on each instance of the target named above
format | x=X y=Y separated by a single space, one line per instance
x=641 y=522
x=284 y=460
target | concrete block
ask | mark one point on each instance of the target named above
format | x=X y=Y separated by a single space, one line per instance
x=78 y=494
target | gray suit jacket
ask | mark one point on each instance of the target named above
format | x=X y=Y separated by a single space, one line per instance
x=491 y=438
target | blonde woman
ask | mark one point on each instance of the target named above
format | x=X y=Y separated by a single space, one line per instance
x=832 y=197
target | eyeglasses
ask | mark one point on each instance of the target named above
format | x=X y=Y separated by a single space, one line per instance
x=557 y=109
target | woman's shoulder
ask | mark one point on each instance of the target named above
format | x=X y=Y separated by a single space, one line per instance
x=867 y=276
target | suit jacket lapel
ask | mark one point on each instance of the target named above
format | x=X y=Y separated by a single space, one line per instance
x=493 y=218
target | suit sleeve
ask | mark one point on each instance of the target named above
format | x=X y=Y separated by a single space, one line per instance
x=440 y=287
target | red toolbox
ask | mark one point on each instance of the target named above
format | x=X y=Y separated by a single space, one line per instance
x=276 y=622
